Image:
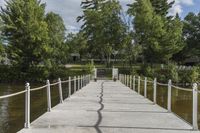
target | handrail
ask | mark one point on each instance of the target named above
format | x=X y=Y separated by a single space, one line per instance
x=183 y=89
x=54 y=84
x=11 y=95
x=38 y=88
x=169 y=85
x=162 y=84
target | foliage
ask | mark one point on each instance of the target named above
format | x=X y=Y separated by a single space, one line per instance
x=162 y=7
x=159 y=37
x=148 y=71
x=102 y=27
x=26 y=32
x=77 y=43
x=90 y=67
x=56 y=33
x=191 y=33
x=172 y=72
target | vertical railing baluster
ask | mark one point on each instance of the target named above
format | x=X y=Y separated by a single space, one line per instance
x=154 y=90
x=74 y=84
x=134 y=82
x=195 y=107
x=48 y=97
x=131 y=78
x=145 y=87
x=138 y=84
x=27 y=106
x=81 y=81
x=60 y=90
x=70 y=87
x=169 y=97
x=78 y=82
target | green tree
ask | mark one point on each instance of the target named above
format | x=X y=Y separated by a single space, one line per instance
x=77 y=43
x=56 y=33
x=103 y=27
x=162 y=7
x=160 y=38
x=26 y=32
x=191 y=33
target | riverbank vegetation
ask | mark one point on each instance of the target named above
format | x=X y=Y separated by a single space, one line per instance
x=35 y=45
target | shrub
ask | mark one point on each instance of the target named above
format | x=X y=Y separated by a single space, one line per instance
x=172 y=72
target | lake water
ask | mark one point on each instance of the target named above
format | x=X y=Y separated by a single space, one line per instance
x=12 y=109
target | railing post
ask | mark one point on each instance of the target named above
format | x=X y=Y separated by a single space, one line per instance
x=138 y=84
x=60 y=90
x=131 y=79
x=169 y=97
x=27 y=106
x=70 y=86
x=125 y=80
x=134 y=83
x=128 y=77
x=48 y=97
x=154 y=90
x=74 y=84
x=195 y=107
x=145 y=87
x=81 y=81
x=78 y=82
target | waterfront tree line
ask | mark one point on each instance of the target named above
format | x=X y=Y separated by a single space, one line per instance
x=36 y=45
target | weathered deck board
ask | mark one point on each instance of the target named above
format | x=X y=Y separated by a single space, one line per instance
x=108 y=107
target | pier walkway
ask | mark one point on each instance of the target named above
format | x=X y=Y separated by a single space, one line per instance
x=108 y=107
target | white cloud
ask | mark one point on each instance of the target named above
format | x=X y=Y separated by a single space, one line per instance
x=178 y=6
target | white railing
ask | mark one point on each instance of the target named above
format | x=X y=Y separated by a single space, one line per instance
x=126 y=79
x=82 y=81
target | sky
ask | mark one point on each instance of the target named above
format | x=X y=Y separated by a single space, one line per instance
x=70 y=9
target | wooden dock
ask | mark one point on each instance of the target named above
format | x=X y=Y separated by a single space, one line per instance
x=108 y=107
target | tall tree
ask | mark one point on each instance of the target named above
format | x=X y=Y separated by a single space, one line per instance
x=159 y=37
x=191 y=33
x=103 y=26
x=56 y=32
x=162 y=7
x=26 y=32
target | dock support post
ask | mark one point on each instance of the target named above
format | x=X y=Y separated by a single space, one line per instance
x=48 y=97
x=134 y=82
x=145 y=87
x=154 y=90
x=138 y=84
x=74 y=84
x=60 y=90
x=195 y=107
x=27 y=106
x=69 y=86
x=169 y=97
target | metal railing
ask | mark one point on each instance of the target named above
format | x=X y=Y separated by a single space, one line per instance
x=82 y=81
x=130 y=81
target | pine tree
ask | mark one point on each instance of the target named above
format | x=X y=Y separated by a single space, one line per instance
x=161 y=7
x=26 y=32
x=159 y=37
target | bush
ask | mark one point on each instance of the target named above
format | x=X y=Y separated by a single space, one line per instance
x=172 y=72
x=147 y=71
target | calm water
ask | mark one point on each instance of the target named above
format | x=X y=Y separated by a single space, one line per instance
x=12 y=109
